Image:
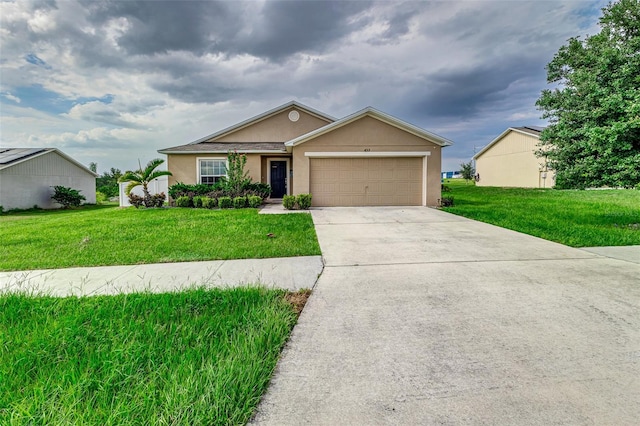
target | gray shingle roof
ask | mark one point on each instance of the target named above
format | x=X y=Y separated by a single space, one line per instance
x=225 y=147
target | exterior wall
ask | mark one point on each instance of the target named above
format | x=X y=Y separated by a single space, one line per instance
x=185 y=167
x=511 y=162
x=277 y=128
x=30 y=183
x=376 y=136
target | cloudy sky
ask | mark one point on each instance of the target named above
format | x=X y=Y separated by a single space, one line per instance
x=114 y=81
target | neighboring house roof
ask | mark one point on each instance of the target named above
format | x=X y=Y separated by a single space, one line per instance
x=225 y=147
x=264 y=116
x=11 y=156
x=372 y=112
x=527 y=130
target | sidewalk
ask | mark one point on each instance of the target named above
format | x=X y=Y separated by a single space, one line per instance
x=291 y=273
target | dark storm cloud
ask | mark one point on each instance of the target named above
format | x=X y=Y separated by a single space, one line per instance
x=465 y=92
x=273 y=32
x=289 y=27
x=163 y=26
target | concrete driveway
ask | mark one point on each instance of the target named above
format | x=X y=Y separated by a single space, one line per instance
x=422 y=317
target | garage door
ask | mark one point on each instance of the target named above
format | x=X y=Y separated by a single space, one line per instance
x=366 y=181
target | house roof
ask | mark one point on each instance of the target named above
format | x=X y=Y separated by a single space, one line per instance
x=12 y=156
x=372 y=112
x=264 y=116
x=527 y=130
x=225 y=147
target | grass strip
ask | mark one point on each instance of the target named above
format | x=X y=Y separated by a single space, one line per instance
x=202 y=356
x=571 y=217
x=98 y=235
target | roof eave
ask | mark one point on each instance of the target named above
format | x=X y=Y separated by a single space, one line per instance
x=240 y=151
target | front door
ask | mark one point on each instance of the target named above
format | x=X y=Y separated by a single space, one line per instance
x=278 y=179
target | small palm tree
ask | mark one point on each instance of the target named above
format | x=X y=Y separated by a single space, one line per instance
x=143 y=177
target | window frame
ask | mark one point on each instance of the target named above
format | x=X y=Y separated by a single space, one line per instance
x=199 y=161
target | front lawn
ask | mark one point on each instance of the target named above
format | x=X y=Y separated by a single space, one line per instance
x=571 y=217
x=107 y=235
x=202 y=356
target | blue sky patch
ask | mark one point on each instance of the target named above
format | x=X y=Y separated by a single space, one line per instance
x=41 y=99
x=35 y=60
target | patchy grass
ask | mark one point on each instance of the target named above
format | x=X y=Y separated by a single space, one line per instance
x=571 y=217
x=107 y=235
x=202 y=356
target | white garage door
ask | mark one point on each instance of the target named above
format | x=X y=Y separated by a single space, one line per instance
x=382 y=181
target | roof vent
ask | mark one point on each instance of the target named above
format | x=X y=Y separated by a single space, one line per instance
x=294 y=116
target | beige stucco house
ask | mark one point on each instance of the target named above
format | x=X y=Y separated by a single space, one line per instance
x=510 y=161
x=368 y=158
x=28 y=175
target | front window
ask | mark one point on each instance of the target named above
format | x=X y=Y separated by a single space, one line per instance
x=211 y=171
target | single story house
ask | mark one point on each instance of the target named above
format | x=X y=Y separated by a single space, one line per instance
x=510 y=161
x=28 y=175
x=368 y=158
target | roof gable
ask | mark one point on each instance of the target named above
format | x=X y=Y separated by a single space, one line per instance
x=10 y=157
x=225 y=133
x=532 y=131
x=378 y=115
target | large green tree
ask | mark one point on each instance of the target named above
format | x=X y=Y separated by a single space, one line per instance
x=593 y=139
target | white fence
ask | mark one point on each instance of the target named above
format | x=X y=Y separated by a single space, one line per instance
x=156 y=186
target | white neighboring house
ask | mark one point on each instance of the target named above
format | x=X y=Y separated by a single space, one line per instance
x=156 y=186
x=28 y=175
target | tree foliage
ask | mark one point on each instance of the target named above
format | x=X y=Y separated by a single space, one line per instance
x=467 y=171
x=143 y=177
x=237 y=178
x=108 y=182
x=593 y=139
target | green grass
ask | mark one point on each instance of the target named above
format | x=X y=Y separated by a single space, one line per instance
x=107 y=235
x=195 y=357
x=571 y=217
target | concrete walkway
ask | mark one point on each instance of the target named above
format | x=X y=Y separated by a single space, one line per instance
x=290 y=273
x=423 y=317
x=628 y=253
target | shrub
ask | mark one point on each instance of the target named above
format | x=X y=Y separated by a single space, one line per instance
x=304 y=201
x=136 y=200
x=184 y=201
x=446 y=202
x=157 y=200
x=254 y=201
x=445 y=188
x=101 y=197
x=182 y=189
x=225 y=202
x=289 y=202
x=67 y=197
x=239 y=202
x=209 y=203
x=197 y=201
x=259 y=189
